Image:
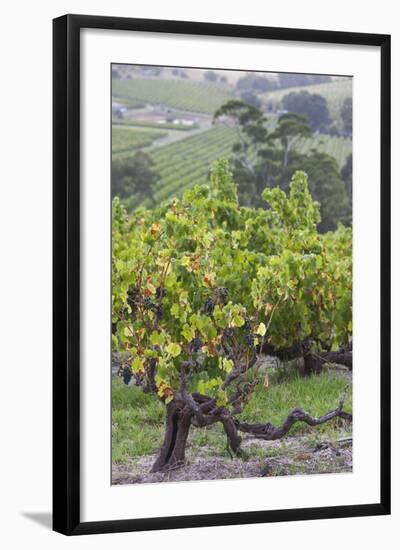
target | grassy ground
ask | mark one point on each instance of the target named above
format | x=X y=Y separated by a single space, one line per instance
x=138 y=419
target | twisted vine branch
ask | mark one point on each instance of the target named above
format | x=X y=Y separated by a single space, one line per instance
x=270 y=432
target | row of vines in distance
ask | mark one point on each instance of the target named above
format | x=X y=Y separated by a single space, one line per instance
x=184 y=163
x=126 y=139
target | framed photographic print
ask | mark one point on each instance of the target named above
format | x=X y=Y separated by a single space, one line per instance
x=221 y=274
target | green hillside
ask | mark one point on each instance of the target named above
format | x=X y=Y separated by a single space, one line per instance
x=186 y=162
x=186 y=95
x=334 y=92
x=126 y=139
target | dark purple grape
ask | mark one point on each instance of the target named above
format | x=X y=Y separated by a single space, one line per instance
x=249 y=339
x=222 y=293
x=229 y=332
x=132 y=298
x=147 y=303
x=196 y=344
x=160 y=292
x=159 y=312
x=126 y=375
x=208 y=307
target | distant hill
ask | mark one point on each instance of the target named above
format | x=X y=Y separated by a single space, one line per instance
x=186 y=95
x=334 y=92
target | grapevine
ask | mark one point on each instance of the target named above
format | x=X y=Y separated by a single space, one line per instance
x=203 y=286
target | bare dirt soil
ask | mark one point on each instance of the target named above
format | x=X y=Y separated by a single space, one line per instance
x=292 y=456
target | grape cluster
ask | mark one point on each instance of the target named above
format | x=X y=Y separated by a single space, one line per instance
x=246 y=327
x=132 y=299
x=208 y=307
x=159 y=312
x=151 y=306
x=126 y=375
x=196 y=344
x=160 y=292
x=222 y=294
x=229 y=332
x=147 y=303
x=249 y=340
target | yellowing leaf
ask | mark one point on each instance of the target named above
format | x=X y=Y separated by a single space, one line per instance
x=227 y=365
x=163 y=386
x=150 y=353
x=154 y=229
x=185 y=261
x=156 y=339
x=173 y=349
x=222 y=398
x=165 y=392
x=194 y=265
x=261 y=329
x=137 y=365
x=210 y=350
x=175 y=311
x=209 y=279
x=188 y=333
x=268 y=307
x=151 y=288
x=238 y=321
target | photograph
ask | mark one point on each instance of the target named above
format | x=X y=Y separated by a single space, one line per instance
x=198 y=216
x=231 y=235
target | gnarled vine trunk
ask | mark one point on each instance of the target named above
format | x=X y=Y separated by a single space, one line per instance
x=199 y=411
x=177 y=428
x=313 y=362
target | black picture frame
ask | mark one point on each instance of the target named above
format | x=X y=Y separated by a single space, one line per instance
x=66 y=273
